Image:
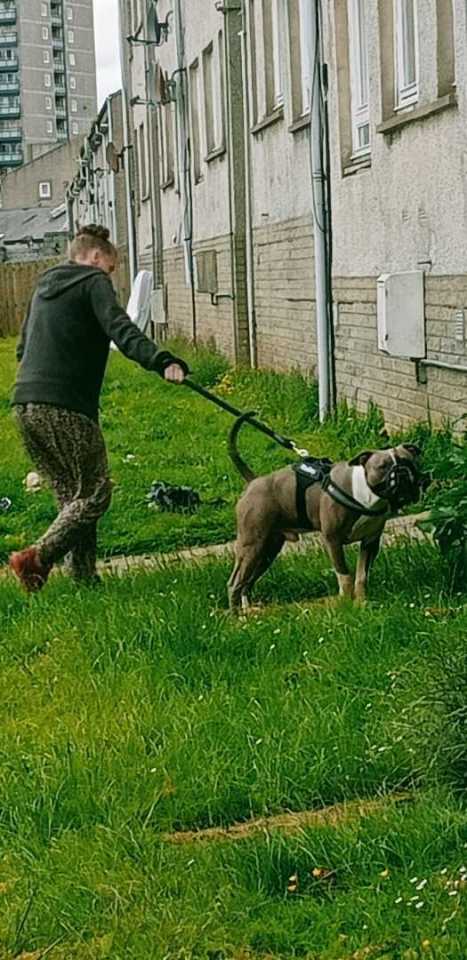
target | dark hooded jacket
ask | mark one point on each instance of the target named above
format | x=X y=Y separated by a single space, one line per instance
x=65 y=340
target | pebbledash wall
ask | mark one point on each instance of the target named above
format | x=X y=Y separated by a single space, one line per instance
x=403 y=206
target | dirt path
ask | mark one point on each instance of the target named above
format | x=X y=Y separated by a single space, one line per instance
x=289 y=823
x=397 y=529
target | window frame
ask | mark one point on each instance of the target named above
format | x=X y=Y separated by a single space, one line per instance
x=357 y=11
x=195 y=118
x=48 y=194
x=213 y=97
x=406 y=94
x=167 y=145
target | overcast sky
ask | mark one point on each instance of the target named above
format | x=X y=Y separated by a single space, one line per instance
x=107 y=48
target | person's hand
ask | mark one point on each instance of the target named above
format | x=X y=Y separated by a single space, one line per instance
x=174 y=373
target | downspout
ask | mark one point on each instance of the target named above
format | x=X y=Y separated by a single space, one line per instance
x=149 y=125
x=184 y=162
x=228 y=119
x=132 y=251
x=250 y=259
x=319 y=219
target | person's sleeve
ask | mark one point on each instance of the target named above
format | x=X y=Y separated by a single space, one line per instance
x=117 y=325
x=21 y=344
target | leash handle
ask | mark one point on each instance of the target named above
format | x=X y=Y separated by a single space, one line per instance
x=229 y=408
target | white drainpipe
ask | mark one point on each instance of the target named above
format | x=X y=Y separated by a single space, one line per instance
x=250 y=278
x=319 y=220
x=132 y=256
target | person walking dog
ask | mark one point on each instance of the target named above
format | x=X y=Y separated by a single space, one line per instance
x=63 y=350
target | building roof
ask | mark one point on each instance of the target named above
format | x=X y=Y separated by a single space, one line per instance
x=32 y=224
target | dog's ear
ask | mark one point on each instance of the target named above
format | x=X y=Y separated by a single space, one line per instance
x=413 y=449
x=361 y=459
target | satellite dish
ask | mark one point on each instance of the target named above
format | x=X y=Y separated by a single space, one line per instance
x=158 y=30
x=112 y=157
x=139 y=304
x=154 y=26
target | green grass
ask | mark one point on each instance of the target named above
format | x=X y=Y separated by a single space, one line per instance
x=143 y=707
x=179 y=438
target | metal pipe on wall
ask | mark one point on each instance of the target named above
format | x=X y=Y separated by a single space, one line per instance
x=319 y=218
x=250 y=260
x=132 y=249
x=184 y=160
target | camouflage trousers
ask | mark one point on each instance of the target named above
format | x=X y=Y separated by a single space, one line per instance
x=68 y=450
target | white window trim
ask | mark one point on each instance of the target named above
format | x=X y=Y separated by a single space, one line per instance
x=213 y=107
x=406 y=94
x=277 y=54
x=360 y=107
x=305 y=55
x=47 y=193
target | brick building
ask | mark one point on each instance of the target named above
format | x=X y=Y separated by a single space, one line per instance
x=223 y=194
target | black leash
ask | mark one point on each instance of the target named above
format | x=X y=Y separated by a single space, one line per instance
x=262 y=427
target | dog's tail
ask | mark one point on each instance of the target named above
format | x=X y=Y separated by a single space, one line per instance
x=240 y=464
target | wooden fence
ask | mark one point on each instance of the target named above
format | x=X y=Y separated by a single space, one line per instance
x=17 y=282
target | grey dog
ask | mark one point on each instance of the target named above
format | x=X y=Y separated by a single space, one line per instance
x=351 y=507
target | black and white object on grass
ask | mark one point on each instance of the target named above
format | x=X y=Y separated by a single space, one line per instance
x=170 y=498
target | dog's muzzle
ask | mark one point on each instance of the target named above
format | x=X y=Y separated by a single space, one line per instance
x=401 y=483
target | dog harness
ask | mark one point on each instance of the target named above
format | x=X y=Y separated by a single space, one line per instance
x=311 y=471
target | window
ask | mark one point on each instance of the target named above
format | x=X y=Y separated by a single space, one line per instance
x=72 y=83
x=305 y=56
x=49 y=126
x=48 y=103
x=267 y=66
x=47 y=80
x=75 y=126
x=74 y=106
x=167 y=144
x=45 y=190
x=44 y=10
x=72 y=59
x=71 y=36
x=45 y=33
x=213 y=96
x=69 y=13
x=358 y=60
x=406 y=52
x=278 y=87
x=142 y=161
x=195 y=120
x=46 y=56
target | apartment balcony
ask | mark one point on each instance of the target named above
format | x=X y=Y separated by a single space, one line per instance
x=10 y=110
x=8 y=64
x=11 y=158
x=57 y=43
x=13 y=133
x=9 y=86
x=7 y=14
x=9 y=39
x=60 y=111
x=62 y=130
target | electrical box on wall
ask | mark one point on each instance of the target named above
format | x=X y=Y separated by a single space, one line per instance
x=206 y=272
x=401 y=314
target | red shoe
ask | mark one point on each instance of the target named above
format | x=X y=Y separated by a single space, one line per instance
x=28 y=567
